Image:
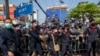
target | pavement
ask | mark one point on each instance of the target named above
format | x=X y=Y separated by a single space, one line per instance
x=84 y=54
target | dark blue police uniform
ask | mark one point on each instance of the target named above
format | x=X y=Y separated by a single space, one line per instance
x=66 y=43
x=10 y=40
x=3 y=46
x=91 y=39
x=51 y=44
x=35 y=43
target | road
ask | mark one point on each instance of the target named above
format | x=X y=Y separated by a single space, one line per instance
x=84 y=54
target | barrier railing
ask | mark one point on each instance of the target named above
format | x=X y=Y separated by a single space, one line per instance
x=79 y=43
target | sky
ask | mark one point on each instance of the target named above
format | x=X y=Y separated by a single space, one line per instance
x=46 y=3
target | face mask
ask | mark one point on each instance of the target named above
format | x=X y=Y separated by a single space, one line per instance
x=8 y=25
x=35 y=24
x=55 y=30
x=14 y=22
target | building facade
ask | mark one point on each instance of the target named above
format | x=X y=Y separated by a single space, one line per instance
x=11 y=11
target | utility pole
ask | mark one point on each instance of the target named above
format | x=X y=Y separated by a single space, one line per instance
x=32 y=15
x=6 y=9
x=37 y=16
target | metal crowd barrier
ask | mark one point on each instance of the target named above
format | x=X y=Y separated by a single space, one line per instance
x=76 y=42
x=78 y=45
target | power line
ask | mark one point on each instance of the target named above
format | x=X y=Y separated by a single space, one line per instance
x=40 y=7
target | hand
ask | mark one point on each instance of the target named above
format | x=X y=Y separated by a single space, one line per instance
x=46 y=35
x=83 y=41
x=41 y=36
x=81 y=32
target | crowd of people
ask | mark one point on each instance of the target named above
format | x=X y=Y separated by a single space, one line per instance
x=55 y=40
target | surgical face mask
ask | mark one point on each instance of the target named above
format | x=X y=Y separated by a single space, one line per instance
x=8 y=25
x=14 y=22
x=55 y=30
x=35 y=24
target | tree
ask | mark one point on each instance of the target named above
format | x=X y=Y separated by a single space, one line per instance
x=84 y=7
x=97 y=20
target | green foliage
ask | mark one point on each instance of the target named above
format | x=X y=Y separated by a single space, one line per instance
x=97 y=20
x=83 y=8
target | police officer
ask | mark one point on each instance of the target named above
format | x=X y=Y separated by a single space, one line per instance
x=3 y=47
x=18 y=34
x=91 y=32
x=10 y=42
x=66 y=41
x=53 y=39
x=35 y=43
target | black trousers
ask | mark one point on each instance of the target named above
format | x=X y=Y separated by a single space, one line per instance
x=18 y=52
x=52 y=51
x=4 y=49
x=66 y=46
x=91 y=46
x=35 y=46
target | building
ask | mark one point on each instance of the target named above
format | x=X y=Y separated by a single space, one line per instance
x=58 y=11
x=11 y=11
